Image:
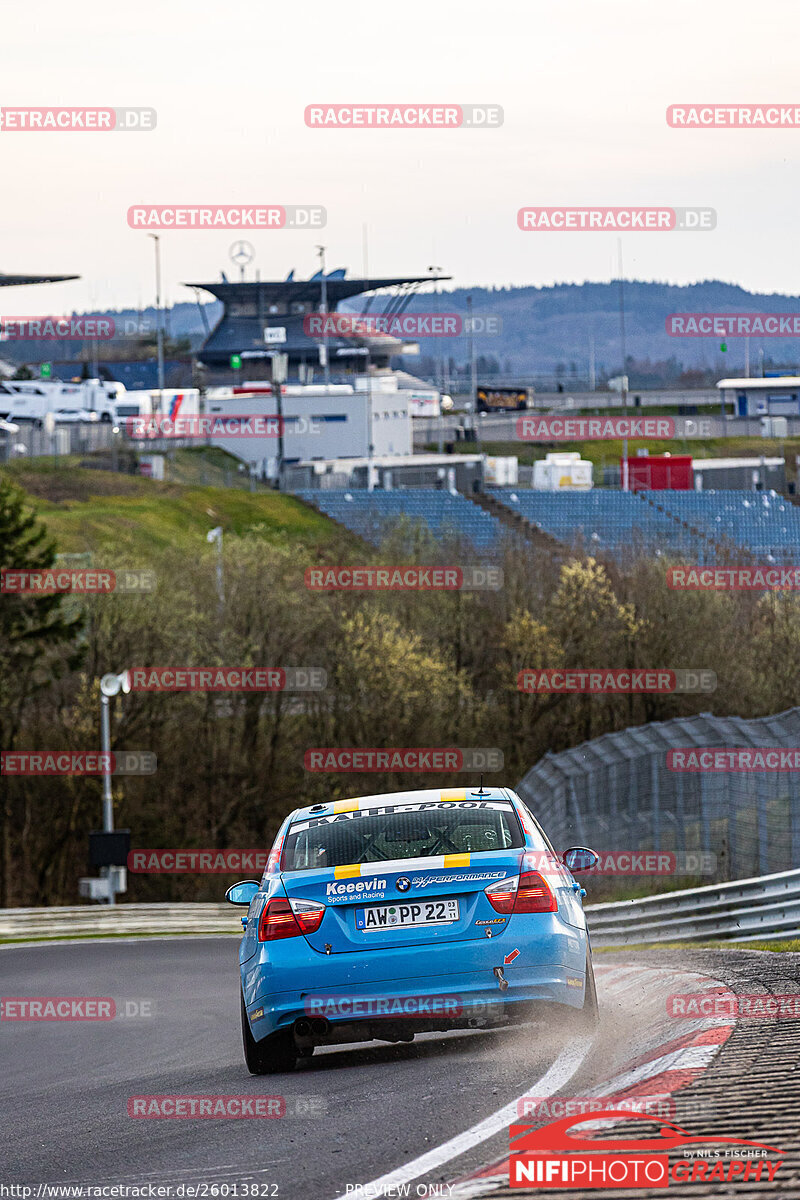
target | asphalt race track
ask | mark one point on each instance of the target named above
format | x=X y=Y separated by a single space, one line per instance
x=353 y=1115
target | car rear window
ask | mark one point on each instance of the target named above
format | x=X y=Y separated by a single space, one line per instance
x=418 y=830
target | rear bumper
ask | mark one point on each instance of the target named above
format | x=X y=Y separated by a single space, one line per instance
x=422 y=986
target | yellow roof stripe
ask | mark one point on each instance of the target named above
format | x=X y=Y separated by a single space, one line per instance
x=347 y=872
x=453 y=794
x=342 y=806
x=456 y=860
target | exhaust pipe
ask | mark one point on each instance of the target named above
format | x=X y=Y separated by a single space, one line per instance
x=320 y=1026
x=303 y=1027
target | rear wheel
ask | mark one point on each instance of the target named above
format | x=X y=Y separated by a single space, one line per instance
x=589 y=1015
x=276 y=1053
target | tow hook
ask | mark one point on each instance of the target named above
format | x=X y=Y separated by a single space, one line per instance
x=502 y=982
x=327 y=947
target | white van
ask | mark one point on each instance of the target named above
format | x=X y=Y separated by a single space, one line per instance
x=32 y=399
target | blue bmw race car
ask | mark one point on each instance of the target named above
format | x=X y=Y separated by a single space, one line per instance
x=391 y=915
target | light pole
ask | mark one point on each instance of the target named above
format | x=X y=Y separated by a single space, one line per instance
x=370 y=442
x=326 y=364
x=624 y=366
x=473 y=374
x=439 y=346
x=159 y=322
x=110 y=685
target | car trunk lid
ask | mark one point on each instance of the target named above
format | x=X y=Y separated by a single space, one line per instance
x=369 y=905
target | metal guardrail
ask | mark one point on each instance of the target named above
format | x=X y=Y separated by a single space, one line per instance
x=84 y=920
x=746 y=910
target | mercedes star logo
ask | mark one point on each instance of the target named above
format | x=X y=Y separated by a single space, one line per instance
x=242 y=253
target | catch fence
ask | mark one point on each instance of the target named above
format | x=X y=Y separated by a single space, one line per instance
x=618 y=792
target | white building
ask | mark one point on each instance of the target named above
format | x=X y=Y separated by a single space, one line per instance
x=778 y=396
x=320 y=423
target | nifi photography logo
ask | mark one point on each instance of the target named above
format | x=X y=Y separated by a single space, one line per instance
x=554 y=1157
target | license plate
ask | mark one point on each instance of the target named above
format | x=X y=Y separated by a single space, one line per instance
x=390 y=916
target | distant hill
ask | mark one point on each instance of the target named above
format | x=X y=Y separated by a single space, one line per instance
x=547 y=333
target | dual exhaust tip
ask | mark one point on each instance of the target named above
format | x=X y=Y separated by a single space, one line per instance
x=312 y=1027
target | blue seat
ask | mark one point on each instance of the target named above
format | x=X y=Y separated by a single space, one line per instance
x=372 y=515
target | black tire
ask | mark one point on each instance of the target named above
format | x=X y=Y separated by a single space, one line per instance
x=589 y=1015
x=276 y=1053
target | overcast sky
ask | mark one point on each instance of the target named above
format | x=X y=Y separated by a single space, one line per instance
x=584 y=85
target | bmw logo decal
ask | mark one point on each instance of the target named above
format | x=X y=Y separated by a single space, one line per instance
x=402 y=884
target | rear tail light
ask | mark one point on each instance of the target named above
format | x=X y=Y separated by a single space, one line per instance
x=502 y=895
x=525 y=893
x=534 y=894
x=283 y=918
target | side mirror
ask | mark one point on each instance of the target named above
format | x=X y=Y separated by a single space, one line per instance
x=580 y=858
x=242 y=893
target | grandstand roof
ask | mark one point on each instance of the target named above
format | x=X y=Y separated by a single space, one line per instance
x=17 y=280
x=308 y=290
